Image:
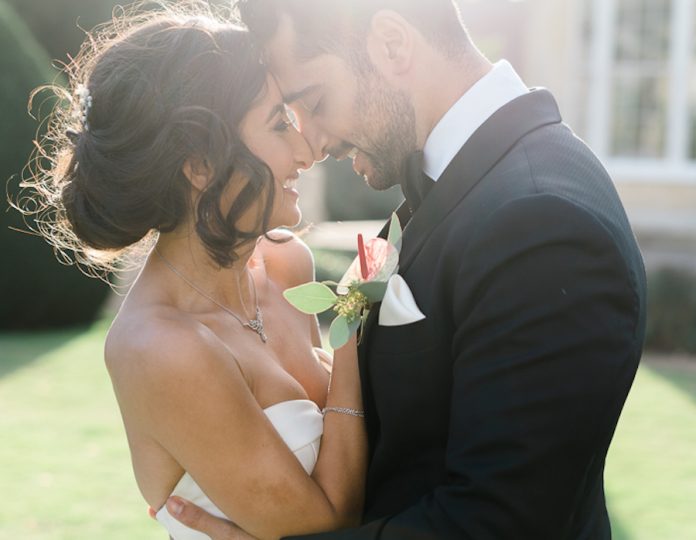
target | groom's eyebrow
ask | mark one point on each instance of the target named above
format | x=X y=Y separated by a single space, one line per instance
x=296 y=96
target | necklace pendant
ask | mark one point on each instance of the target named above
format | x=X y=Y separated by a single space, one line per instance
x=257 y=325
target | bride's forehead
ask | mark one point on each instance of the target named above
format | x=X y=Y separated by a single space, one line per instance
x=272 y=89
x=269 y=96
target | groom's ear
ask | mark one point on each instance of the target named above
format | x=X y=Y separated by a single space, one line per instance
x=390 y=43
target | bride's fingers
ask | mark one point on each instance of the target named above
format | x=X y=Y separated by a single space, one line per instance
x=195 y=517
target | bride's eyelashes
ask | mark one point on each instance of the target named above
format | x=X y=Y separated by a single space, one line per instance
x=284 y=123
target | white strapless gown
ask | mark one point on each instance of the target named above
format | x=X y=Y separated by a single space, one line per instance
x=299 y=423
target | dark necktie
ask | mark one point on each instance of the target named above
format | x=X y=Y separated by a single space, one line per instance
x=415 y=184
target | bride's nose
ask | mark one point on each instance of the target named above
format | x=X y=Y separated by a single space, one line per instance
x=302 y=151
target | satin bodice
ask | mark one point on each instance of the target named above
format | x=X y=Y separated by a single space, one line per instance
x=298 y=422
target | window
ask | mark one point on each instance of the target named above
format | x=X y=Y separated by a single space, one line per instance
x=641 y=78
x=641 y=105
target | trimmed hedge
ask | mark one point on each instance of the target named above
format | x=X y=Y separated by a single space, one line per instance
x=348 y=197
x=671 y=324
x=58 y=24
x=36 y=291
x=55 y=23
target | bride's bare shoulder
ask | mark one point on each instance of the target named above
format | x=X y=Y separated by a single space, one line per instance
x=156 y=339
x=287 y=259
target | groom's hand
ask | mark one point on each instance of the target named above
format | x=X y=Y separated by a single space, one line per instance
x=195 y=517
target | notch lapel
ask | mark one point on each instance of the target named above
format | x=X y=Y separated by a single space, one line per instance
x=476 y=158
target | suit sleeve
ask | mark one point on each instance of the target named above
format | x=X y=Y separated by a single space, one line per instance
x=546 y=340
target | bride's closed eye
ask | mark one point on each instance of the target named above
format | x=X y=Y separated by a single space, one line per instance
x=287 y=120
x=283 y=124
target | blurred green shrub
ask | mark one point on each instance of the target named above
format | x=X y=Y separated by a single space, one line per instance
x=35 y=290
x=60 y=25
x=331 y=264
x=348 y=197
x=671 y=323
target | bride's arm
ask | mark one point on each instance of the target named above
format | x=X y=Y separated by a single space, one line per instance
x=342 y=466
x=192 y=398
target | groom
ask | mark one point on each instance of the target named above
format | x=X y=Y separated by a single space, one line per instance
x=491 y=418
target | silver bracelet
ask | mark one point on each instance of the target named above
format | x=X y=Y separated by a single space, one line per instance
x=343 y=410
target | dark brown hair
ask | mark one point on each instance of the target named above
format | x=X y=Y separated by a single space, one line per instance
x=166 y=86
x=336 y=26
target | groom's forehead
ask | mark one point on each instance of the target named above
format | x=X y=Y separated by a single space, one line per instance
x=281 y=49
x=297 y=77
x=284 y=52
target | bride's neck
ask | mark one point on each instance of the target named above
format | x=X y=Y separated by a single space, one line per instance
x=182 y=254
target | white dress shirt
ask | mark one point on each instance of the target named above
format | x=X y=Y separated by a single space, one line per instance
x=497 y=88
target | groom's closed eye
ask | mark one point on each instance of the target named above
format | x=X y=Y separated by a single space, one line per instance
x=316 y=108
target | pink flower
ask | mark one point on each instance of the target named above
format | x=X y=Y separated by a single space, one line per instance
x=377 y=260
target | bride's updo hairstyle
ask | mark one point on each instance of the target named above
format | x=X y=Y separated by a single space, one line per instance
x=162 y=87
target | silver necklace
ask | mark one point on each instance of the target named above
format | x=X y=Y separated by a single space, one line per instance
x=252 y=324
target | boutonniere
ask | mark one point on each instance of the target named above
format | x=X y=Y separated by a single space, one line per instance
x=370 y=279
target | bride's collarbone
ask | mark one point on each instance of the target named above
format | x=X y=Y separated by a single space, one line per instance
x=281 y=369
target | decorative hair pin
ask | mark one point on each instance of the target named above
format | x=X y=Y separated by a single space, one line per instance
x=84 y=102
x=72 y=135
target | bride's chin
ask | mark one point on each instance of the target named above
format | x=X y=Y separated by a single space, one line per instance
x=288 y=219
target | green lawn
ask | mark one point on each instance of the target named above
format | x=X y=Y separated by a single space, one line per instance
x=65 y=472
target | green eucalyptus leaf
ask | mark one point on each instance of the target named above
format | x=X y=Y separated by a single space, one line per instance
x=311 y=298
x=395 y=232
x=355 y=325
x=339 y=333
x=374 y=290
x=363 y=322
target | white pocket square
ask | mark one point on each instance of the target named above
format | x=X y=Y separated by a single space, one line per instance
x=398 y=305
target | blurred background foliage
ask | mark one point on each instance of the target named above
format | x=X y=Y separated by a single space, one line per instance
x=58 y=24
x=671 y=324
x=36 y=291
x=350 y=198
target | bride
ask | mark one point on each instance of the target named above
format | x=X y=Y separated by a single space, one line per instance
x=176 y=138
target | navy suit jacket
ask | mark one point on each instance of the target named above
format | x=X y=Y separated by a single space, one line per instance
x=491 y=418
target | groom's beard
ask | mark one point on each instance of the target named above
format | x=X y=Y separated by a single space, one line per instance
x=389 y=130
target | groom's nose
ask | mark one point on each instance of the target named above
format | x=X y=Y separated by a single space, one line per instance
x=316 y=139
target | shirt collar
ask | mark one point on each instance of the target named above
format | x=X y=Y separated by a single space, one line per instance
x=497 y=88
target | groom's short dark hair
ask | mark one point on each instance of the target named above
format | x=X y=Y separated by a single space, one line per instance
x=333 y=26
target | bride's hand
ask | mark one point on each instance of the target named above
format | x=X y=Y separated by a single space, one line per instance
x=195 y=517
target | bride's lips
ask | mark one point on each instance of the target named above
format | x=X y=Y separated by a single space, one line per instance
x=290 y=186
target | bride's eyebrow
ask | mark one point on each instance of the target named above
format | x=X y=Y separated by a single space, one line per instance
x=296 y=96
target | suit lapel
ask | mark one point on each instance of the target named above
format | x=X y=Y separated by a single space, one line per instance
x=404 y=214
x=477 y=157
x=483 y=150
